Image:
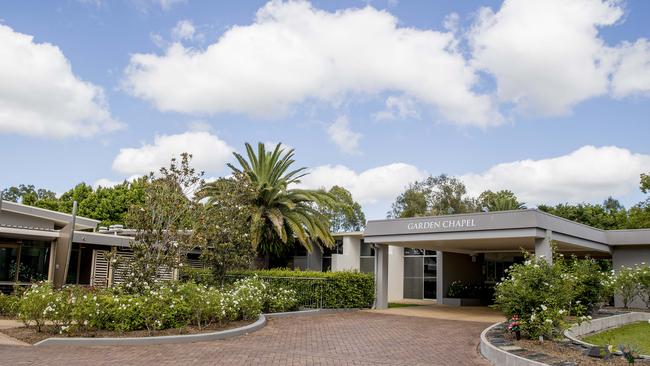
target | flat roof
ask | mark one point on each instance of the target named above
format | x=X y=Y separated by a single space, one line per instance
x=531 y=223
x=59 y=218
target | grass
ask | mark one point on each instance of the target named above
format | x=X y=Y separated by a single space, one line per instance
x=400 y=305
x=635 y=334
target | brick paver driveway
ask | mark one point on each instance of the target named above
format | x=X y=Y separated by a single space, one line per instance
x=355 y=338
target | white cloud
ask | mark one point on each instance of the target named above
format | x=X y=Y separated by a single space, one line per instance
x=546 y=56
x=293 y=53
x=41 y=96
x=210 y=153
x=184 y=30
x=343 y=137
x=398 y=107
x=587 y=174
x=632 y=72
x=380 y=184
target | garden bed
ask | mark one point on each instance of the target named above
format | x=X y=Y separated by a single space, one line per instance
x=31 y=335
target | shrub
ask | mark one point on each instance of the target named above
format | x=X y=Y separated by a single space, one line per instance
x=539 y=293
x=591 y=285
x=34 y=304
x=626 y=284
x=8 y=305
x=643 y=276
x=343 y=289
x=203 y=276
x=167 y=305
x=280 y=299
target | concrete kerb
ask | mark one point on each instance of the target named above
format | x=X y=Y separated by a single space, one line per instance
x=185 y=338
x=598 y=325
x=500 y=357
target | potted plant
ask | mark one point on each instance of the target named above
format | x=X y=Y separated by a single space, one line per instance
x=515 y=326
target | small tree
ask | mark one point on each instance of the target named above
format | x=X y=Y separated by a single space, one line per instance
x=643 y=275
x=224 y=235
x=165 y=224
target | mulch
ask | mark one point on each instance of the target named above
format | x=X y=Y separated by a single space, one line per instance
x=31 y=335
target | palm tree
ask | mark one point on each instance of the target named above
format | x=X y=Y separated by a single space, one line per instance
x=280 y=215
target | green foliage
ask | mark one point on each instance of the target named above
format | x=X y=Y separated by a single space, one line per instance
x=543 y=294
x=8 y=305
x=167 y=305
x=279 y=215
x=107 y=204
x=499 y=201
x=34 y=305
x=336 y=289
x=225 y=231
x=607 y=216
x=345 y=214
x=627 y=284
x=203 y=276
x=441 y=195
x=166 y=225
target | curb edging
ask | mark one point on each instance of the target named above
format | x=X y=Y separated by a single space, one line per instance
x=497 y=356
x=141 y=341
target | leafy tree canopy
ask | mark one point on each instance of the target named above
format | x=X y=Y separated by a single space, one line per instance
x=499 y=201
x=441 y=195
x=344 y=214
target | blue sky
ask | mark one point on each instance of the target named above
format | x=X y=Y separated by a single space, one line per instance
x=549 y=100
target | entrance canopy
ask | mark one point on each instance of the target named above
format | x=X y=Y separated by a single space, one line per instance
x=489 y=232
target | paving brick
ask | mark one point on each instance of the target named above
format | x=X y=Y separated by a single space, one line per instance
x=356 y=338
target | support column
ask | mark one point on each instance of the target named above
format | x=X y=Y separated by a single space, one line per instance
x=381 y=276
x=543 y=247
x=439 y=277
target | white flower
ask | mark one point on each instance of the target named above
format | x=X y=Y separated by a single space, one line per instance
x=543 y=307
x=549 y=321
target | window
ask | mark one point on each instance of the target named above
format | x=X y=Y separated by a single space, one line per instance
x=327 y=254
x=367 y=258
x=420 y=267
x=8 y=260
x=26 y=261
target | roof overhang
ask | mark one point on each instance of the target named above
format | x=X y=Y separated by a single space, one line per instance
x=60 y=218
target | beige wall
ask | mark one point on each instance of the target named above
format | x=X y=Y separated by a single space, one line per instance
x=395 y=273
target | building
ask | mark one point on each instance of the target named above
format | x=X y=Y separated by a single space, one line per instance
x=415 y=258
x=421 y=257
x=30 y=236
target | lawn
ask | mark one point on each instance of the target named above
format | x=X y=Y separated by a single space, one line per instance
x=400 y=305
x=635 y=334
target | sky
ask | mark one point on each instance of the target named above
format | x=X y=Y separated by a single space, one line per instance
x=550 y=99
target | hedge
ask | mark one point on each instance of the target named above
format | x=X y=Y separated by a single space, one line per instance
x=344 y=289
x=330 y=290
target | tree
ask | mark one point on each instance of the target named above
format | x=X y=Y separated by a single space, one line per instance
x=441 y=195
x=166 y=224
x=503 y=200
x=607 y=216
x=280 y=215
x=225 y=235
x=29 y=195
x=645 y=183
x=345 y=214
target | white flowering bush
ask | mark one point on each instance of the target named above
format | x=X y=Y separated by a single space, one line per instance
x=626 y=284
x=166 y=305
x=34 y=305
x=280 y=299
x=248 y=296
x=543 y=295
